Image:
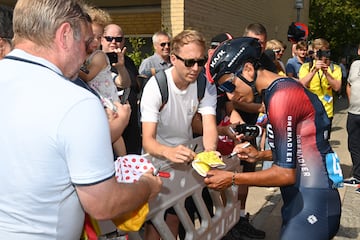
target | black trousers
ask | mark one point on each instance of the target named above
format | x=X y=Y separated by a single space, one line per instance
x=353 y=129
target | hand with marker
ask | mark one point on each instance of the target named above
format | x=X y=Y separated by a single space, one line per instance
x=245 y=151
x=159 y=173
x=234 y=153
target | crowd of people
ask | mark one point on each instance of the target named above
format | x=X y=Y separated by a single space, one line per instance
x=59 y=140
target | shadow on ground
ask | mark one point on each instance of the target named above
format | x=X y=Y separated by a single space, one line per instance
x=348 y=232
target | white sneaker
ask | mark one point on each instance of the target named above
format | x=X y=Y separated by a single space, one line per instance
x=352 y=182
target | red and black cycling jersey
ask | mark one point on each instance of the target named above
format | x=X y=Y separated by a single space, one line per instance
x=298 y=132
x=298 y=136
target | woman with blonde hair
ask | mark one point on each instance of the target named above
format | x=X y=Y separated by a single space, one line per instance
x=277 y=47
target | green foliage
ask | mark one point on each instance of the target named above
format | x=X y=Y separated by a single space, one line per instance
x=136 y=55
x=338 y=21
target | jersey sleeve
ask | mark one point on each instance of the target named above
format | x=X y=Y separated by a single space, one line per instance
x=286 y=106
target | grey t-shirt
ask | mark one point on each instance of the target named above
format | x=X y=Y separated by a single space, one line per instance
x=354 y=81
x=155 y=61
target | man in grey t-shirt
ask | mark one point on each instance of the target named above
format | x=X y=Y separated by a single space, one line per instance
x=161 y=57
x=353 y=122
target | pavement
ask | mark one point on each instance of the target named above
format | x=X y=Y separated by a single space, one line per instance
x=264 y=204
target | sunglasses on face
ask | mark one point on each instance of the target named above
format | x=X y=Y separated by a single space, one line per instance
x=163 y=44
x=228 y=86
x=191 y=62
x=110 y=39
x=277 y=51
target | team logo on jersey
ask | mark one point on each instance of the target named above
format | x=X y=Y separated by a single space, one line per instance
x=270 y=134
x=312 y=219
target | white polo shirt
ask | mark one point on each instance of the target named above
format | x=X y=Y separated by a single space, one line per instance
x=54 y=134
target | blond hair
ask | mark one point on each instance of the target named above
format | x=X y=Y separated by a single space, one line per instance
x=273 y=44
x=185 y=37
x=320 y=43
x=98 y=15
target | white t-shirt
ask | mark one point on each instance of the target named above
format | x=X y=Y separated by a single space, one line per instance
x=54 y=134
x=174 y=120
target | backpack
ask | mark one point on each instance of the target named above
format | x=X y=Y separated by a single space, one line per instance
x=161 y=80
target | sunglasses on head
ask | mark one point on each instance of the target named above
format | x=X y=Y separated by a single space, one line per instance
x=110 y=39
x=191 y=62
x=163 y=44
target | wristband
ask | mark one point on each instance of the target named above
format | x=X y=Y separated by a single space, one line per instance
x=233 y=179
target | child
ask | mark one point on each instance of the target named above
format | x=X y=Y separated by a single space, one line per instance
x=99 y=76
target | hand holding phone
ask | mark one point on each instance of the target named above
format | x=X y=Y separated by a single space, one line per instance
x=108 y=103
x=113 y=57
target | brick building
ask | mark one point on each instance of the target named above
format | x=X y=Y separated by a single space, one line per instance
x=141 y=18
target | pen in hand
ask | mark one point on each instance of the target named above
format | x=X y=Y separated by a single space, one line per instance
x=194 y=149
x=234 y=153
x=232 y=130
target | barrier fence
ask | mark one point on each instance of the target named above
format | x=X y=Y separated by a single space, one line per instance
x=183 y=183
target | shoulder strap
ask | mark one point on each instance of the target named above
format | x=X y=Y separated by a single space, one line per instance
x=163 y=86
x=201 y=85
x=161 y=80
x=332 y=67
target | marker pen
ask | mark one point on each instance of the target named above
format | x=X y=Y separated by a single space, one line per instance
x=235 y=153
x=159 y=173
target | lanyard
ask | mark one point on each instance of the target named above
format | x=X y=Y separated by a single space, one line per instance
x=35 y=63
x=320 y=78
x=84 y=84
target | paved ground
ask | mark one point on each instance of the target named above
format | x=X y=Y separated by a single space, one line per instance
x=264 y=204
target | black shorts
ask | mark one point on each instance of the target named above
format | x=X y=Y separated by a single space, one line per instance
x=311 y=214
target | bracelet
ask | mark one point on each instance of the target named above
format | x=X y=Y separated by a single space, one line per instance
x=233 y=179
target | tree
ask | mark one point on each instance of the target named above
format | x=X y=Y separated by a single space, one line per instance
x=136 y=54
x=338 y=21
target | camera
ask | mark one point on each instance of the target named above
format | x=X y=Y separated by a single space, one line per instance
x=323 y=54
x=248 y=130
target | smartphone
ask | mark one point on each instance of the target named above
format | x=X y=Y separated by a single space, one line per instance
x=113 y=57
x=125 y=95
x=108 y=103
